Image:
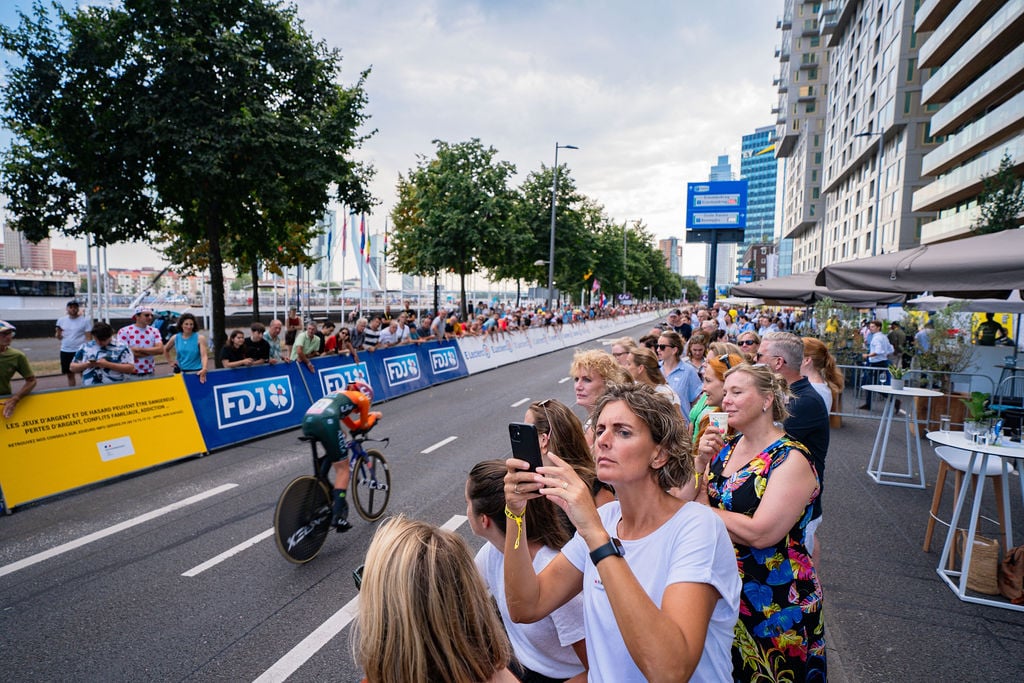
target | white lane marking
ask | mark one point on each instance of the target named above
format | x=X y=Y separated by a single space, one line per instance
x=230 y=552
x=437 y=445
x=454 y=523
x=564 y=380
x=109 y=531
x=519 y=403
x=311 y=644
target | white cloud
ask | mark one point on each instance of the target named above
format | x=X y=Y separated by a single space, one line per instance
x=651 y=91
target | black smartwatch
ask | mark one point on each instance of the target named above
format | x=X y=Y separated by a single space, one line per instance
x=612 y=547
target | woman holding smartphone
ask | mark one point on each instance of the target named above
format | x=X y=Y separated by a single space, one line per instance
x=646 y=563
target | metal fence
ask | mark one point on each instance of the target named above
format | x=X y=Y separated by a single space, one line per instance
x=953 y=385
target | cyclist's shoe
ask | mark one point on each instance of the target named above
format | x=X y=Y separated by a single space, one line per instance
x=340 y=520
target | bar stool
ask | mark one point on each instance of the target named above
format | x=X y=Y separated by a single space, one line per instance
x=957 y=460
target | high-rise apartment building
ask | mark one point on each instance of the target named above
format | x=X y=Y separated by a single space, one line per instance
x=800 y=128
x=975 y=55
x=876 y=130
x=20 y=253
x=672 y=250
x=758 y=167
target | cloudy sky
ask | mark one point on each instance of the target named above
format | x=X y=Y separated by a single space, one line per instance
x=651 y=91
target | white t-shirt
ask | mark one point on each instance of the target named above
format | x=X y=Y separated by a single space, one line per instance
x=692 y=547
x=72 y=332
x=544 y=646
x=824 y=392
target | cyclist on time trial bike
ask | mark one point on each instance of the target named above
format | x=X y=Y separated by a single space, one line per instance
x=353 y=410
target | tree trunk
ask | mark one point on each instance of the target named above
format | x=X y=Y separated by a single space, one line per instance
x=218 y=334
x=518 y=288
x=255 y=293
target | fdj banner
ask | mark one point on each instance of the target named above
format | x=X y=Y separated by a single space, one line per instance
x=61 y=440
x=244 y=403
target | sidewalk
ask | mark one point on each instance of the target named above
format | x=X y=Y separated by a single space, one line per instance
x=888 y=615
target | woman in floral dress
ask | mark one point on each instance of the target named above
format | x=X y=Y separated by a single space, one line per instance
x=762 y=484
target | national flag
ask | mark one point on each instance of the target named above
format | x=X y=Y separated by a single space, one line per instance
x=596 y=286
x=362 y=235
x=368 y=248
x=604 y=300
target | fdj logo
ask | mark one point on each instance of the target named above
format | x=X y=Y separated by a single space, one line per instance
x=337 y=378
x=444 y=360
x=244 y=402
x=402 y=369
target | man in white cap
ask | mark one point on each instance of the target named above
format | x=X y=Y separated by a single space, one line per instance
x=11 y=361
x=144 y=340
x=73 y=332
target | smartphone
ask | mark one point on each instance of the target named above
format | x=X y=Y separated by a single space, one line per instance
x=525 y=443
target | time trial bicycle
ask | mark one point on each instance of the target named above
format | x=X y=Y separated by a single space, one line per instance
x=303 y=516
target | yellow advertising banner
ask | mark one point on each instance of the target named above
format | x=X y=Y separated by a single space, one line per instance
x=61 y=440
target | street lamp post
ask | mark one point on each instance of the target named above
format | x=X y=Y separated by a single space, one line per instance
x=878 y=184
x=551 y=243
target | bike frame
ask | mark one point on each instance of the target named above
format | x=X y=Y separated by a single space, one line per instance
x=354 y=447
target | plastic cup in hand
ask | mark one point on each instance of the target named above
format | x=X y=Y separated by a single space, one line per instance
x=720 y=421
x=944 y=423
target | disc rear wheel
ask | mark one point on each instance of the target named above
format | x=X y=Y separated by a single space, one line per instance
x=302 y=519
x=371 y=485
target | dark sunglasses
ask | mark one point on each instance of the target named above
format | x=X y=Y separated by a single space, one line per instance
x=746 y=342
x=357 y=576
x=662 y=347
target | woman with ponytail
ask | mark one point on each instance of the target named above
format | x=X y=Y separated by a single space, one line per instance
x=819 y=367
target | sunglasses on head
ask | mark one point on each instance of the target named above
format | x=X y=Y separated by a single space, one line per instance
x=724 y=358
x=746 y=342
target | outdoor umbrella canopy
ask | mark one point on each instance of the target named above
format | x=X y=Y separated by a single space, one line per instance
x=801 y=290
x=986 y=266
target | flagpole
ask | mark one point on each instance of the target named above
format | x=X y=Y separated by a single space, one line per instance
x=330 y=258
x=344 y=229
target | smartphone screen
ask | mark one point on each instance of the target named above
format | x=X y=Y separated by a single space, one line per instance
x=525 y=443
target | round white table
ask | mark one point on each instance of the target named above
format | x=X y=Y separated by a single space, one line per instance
x=876 y=465
x=957 y=579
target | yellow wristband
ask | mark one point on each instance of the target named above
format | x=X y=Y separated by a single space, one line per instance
x=518 y=519
x=696 y=480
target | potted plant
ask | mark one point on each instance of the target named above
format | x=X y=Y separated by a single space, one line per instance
x=950 y=352
x=978 y=412
x=897 y=377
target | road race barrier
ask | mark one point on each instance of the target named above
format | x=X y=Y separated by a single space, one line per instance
x=62 y=440
x=68 y=438
x=241 y=404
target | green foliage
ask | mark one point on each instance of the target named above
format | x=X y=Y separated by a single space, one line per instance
x=951 y=349
x=690 y=288
x=455 y=208
x=1001 y=200
x=839 y=328
x=215 y=126
x=978 y=406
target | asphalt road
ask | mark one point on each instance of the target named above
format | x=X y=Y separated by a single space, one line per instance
x=150 y=601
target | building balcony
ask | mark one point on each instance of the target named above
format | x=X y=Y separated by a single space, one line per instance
x=954 y=225
x=965 y=182
x=982 y=134
x=931 y=13
x=784 y=23
x=1006 y=76
x=959 y=25
x=999 y=36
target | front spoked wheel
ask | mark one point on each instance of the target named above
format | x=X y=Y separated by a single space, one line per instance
x=302 y=519
x=371 y=485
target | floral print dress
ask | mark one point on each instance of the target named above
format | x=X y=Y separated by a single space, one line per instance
x=780 y=634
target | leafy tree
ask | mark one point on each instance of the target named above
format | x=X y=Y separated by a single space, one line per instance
x=573 y=258
x=454 y=210
x=689 y=287
x=216 y=123
x=1001 y=200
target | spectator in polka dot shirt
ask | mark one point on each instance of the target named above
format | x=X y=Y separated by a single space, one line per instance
x=144 y=340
